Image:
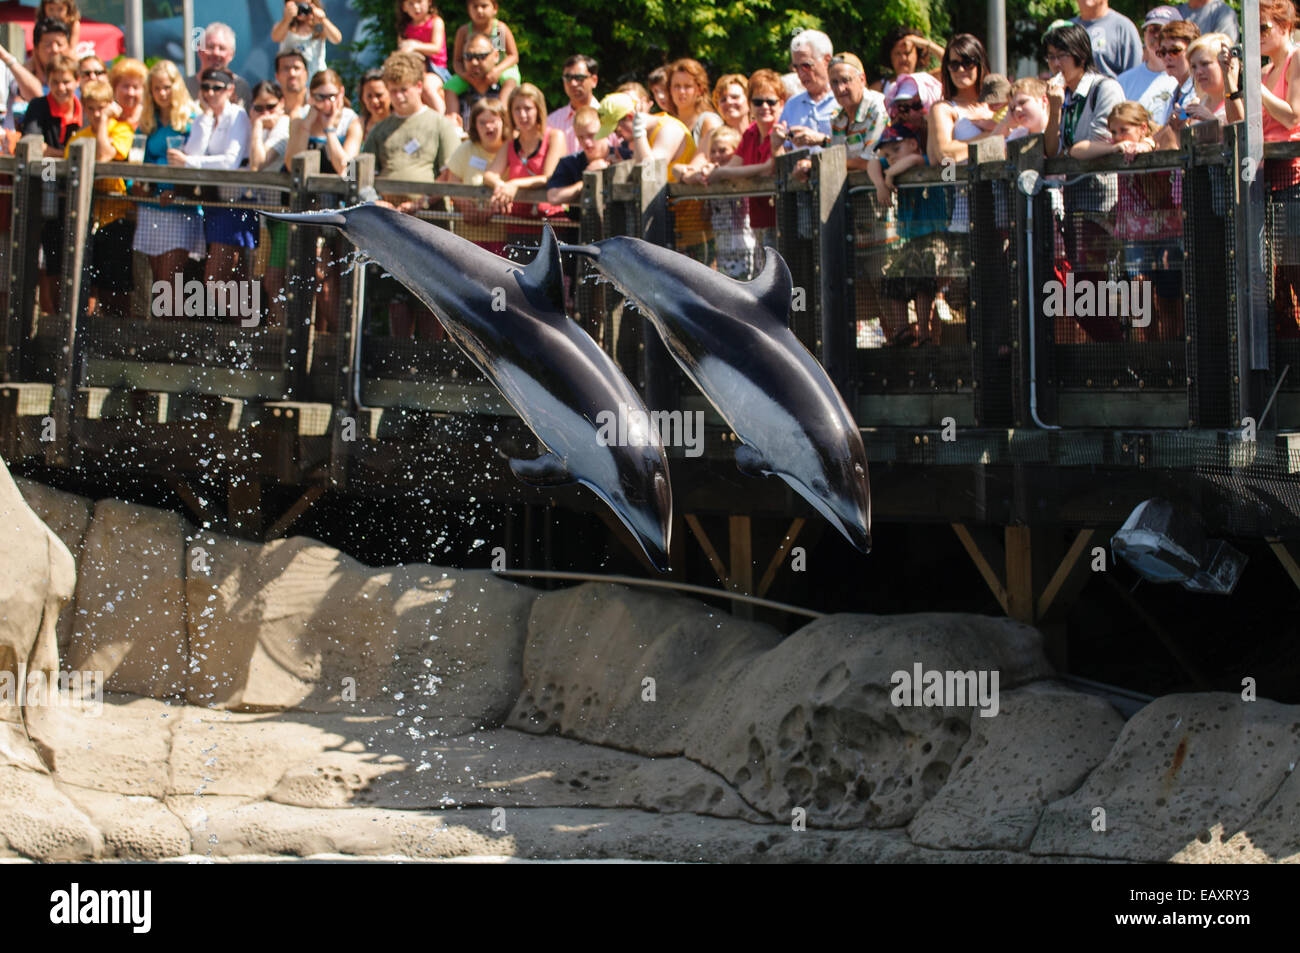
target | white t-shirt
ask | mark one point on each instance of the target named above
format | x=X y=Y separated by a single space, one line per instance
x=1153 y=90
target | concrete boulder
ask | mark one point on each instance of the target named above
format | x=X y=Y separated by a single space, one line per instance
x=297 y=624
x=130 y=621
x=37 y=578
x=811 y=723
x=1186 y=769
x=1041 y=746
x=68 y=515
x=591 y=649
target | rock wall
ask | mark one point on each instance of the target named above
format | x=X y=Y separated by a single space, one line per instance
x=262 y=688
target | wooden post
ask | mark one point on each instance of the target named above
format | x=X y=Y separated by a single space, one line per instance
x=300 y=275
x=76 y=236
x=348 y=334
x=657 y=364
x=833 y=267
x=24 y=241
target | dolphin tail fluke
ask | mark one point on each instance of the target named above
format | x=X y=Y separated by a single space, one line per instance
x=309 y=218
x=546 y=470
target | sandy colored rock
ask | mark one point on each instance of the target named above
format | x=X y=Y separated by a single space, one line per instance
x=806 y=721
x=812 y=724
x=501 y=768
x=591 y=647
x=68 y=515
x=223 y=826
x=38 y=821
x=133 y=827
x=240 y=754
x=1040 y=746
x=37 y=578
x=130 y=620
x=297 y=624
x=124 y=750
x=1182 y=766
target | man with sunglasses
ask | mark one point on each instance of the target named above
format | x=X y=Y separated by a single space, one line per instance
x=580 y=79
x=1175 y=38
x=1147 y=83
x=1116 y=45
x=464 y=92
x=807 y=116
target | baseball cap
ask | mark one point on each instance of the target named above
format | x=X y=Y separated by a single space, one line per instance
x=911 y=85
x=1161 y=15
x=896 y=132
x=850 y=59
x=611 y=111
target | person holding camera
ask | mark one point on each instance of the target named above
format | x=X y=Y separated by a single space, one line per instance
x=306 y=29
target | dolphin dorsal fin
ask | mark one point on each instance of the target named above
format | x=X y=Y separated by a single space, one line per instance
x=773 y=286
x=544 y=273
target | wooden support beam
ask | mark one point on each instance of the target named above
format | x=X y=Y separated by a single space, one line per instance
x=741 y=533
x=1068 y=579
x=986 y=557
x=778 y=558
x=290 y=516
x=244 y=507
x=1171 y=645
x=714 y=559
x=1286 y=559
x=1020 y=574
x=201 y=509
x=625 y=536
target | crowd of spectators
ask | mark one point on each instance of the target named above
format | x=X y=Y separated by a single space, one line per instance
x=460 y=110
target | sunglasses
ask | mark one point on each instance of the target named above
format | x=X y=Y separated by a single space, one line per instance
x=759 y=101
x=964 y=63
x=264 y=107
x=475 y=57
x=799 y=66
x=576 y=77
x=1172 y=50
x=323 y=97
x=94 y=72
x=908 y=107
x=213 y=87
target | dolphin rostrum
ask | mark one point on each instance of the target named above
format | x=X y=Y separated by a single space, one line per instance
x=510 y=320
x=732 y=339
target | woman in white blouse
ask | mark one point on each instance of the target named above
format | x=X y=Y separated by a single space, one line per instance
x=219 y=140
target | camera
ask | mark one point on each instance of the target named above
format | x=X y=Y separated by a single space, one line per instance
x=1235 y=52
x=304 y=9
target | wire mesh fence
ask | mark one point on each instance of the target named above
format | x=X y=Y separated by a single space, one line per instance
x=1109 y=299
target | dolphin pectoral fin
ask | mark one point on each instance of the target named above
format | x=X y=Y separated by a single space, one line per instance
x=546 y=470
x=586 y=251
x=773 y=286
x=309 y=218
x=750 y=462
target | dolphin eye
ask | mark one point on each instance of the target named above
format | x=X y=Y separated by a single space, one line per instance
x=857 y=468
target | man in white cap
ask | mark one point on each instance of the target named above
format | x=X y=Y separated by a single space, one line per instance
x=1148 y=83
x=1212 y=16
x=861 y=116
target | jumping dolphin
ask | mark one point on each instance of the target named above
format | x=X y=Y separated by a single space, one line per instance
x=731 y=338
x=510 y=320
